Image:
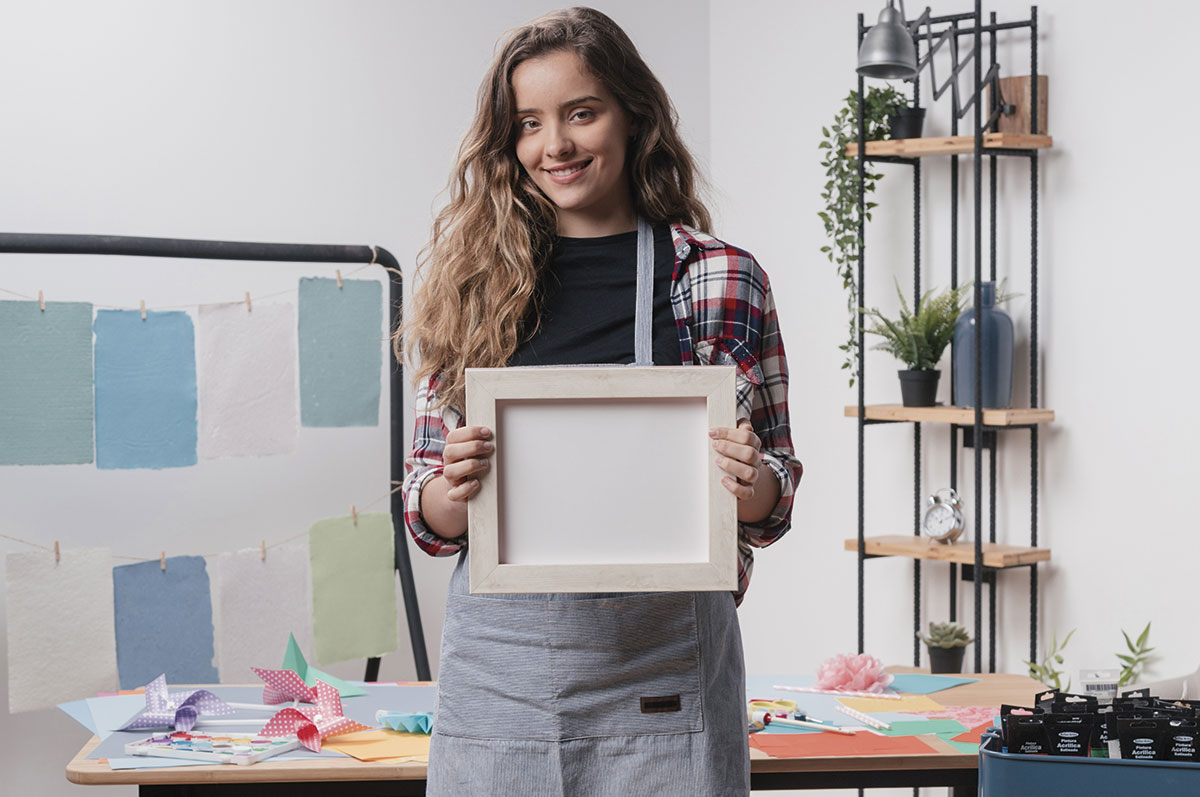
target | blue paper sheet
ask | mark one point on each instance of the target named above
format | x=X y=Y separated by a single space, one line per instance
x=923 y=684
x=823 y=707
x=164 y=622
x=79 y=711
x=341 y=344
x=145 y=373
x=48 y=410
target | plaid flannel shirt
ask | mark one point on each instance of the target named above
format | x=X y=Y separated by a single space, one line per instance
x=725 y=315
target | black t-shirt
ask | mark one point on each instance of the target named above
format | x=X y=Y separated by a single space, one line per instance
x=588 y=296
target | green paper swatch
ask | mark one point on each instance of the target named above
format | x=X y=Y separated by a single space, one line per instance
x=353 y=587
x=294 y=660
x=953 y=727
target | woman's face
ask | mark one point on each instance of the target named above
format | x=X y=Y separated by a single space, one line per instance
x=571 y=138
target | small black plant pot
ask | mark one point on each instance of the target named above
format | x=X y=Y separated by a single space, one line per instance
x=907 y=122
x=919 y=388
x=943 y=660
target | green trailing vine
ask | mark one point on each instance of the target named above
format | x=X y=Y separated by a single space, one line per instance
x=841 y=194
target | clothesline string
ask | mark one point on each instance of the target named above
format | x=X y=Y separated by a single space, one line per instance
x=209 y=304
x=293 y=538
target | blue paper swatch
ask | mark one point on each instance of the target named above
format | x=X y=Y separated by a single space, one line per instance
x=918 y=683
x=45 y=383
x=145 y=390
x=341 y=340
x=164 y=622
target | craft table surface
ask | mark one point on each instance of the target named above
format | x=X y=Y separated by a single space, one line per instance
x=990 y=690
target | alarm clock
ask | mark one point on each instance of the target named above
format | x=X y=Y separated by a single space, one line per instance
x=944 y=518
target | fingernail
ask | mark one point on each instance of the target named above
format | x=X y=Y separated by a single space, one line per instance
x=712 y=432
x=486 y=432
x=487 y=446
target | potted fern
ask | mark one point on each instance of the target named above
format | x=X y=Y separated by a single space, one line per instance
x=946 y=644
x=918 y=339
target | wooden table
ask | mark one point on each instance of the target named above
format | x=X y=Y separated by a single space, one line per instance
x=944 y=766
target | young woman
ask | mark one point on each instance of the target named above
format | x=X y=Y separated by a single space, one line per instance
x=572 y=162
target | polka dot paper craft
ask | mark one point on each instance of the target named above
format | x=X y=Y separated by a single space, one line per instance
x=178 y=710
x=311 y=724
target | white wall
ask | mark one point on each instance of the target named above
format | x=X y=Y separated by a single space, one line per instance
x=317 y=122
x=1116 y=284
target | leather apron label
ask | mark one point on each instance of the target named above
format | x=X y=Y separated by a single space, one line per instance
x=661 y=705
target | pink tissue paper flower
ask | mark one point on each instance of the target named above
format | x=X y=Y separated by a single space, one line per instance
x=861 y=673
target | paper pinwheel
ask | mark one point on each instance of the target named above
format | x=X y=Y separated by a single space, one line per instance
x=314 y=723
x=412 y=722
x=178 y=710
x=282 y=687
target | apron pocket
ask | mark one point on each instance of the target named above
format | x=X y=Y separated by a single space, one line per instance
x=626 y=665
x=494 y=678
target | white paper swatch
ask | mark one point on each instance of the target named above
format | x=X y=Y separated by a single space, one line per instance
x=246 y=361
x=61 y=640
x=261 y=602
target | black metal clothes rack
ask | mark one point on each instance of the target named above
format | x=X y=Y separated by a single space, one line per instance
x=31 y=243
x=978 y=434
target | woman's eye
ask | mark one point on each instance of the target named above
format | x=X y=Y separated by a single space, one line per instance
x=583 y=116
x=528 y=124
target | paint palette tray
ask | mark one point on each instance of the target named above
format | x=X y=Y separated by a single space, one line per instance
x=217 y=748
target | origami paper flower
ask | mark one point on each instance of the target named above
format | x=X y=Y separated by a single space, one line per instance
x=178 y=710
x=861 y=673
x=412 y=722
x=314 y=723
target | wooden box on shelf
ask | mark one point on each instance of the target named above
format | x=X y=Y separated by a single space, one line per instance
x=1016 y=91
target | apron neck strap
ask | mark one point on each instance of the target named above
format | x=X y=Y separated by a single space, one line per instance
x=642 y=324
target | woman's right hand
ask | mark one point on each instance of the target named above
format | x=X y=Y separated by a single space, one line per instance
x=467 y=454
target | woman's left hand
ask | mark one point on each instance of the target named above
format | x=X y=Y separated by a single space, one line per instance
x=739 y=454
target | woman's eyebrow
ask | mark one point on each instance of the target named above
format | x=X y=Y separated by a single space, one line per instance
x=561 y=105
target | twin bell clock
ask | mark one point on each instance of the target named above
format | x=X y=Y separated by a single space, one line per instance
x=944 y=516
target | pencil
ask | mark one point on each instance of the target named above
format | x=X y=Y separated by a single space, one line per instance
x=814 y=725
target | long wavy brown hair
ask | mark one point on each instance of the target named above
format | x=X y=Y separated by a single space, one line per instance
x=477 y=300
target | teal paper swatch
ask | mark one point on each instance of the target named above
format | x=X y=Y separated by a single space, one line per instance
x=45 y=383
x=145 y=390
x=918 y=683
x=341 y=340
x=164 y=622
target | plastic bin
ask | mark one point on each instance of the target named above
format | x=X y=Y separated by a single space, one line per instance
x=1014 y=775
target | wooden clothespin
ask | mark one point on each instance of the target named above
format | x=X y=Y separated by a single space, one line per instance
x=339 y=276
x=249 y=307
x=41 y=300
x=57 y=554
x=354 y=514
x=162 y=560
x=262 y=549
x=143 y=307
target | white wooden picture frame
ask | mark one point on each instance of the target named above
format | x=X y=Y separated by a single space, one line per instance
x=603 y=479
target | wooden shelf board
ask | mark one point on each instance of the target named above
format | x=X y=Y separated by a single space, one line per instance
x=964 y=416
x=950 y=145
x=913 y=547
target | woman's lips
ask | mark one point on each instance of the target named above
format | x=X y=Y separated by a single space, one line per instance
x=568 y=173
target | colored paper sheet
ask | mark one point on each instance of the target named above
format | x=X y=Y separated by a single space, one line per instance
x=962 y=747
x=293 y=659
x=905 y=703
x=164 y=622
x=378 y=744
x=247 y=373
x=78 y=710
x=260 y=601
x=60 y=626
x=918 y=683
x=341 y=344
x=354 y=587
x=898 y=716
x=918 y=727
x=46 y=383
x=835 y=744
x=969 y=716
x=114 y=711
x=145 y=374
x=973 y=735
x=822 y=706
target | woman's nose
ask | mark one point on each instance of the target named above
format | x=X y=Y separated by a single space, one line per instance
x=558 y=142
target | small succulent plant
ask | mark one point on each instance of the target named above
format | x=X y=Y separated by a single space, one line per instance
x=946 y=635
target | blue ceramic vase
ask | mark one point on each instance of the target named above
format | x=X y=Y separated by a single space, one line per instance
x=997 y=327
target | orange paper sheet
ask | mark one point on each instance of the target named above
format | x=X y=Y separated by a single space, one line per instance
x=973 y=736
x=376 y=745
x=800 y=745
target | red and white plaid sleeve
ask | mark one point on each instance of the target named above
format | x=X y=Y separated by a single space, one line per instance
x=425 y=462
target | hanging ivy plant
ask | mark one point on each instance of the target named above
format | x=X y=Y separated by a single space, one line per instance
x=841 y=194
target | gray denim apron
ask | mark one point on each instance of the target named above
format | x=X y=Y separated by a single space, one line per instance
x=585 y=694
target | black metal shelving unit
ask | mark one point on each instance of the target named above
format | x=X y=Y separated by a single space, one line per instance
x=978 y=435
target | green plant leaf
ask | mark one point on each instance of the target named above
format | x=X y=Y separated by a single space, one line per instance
x=1141 y=641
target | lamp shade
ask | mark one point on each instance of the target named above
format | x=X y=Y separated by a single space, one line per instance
x=887 y=51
